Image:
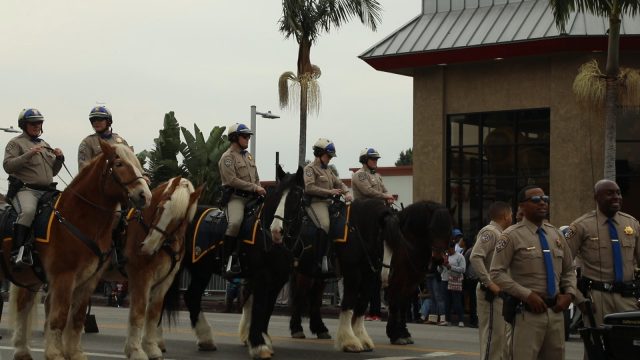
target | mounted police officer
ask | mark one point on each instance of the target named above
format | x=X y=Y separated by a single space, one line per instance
x=241 y=184
x=320 y=184
x=31 y=164
x=366 y=183
x=608 y=244
x=101 y=121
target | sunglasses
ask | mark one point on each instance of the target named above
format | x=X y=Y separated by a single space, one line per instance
x=245 y=136
x=536 y=199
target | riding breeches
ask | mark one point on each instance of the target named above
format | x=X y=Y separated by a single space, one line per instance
x=26 y=203
x=235 y=214
x=319 y=214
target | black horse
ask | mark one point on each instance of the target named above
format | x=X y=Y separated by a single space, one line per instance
x=416 y=236
x=266 y=267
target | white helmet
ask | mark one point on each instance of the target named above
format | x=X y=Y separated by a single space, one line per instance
x=238 y=129
x=324 y=146
x=368 y=153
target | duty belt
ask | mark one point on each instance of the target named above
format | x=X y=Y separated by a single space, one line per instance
x=549 y=302
x=243 y=193
x=626 y=289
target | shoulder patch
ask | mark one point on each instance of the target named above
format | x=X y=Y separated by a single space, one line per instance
x=502 y=243
x=486 y=236
x=228 y=161
x=10 y=146
x=308 y=172
x=570 y=233
x=362 y=176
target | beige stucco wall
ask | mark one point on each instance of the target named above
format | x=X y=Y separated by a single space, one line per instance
x=541 y=82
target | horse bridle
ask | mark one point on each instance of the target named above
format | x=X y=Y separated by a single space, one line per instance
x=286 y=228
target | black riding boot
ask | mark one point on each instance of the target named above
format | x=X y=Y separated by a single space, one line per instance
x=118 y=236
x=20 y=246
x=233 y=268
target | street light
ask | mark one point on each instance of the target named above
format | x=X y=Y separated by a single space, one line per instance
x=10 y=129
x=267 y=115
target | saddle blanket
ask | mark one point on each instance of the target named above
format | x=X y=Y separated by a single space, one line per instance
x=41 y=224
x=338 y=226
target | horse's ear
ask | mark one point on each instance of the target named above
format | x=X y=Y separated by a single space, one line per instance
x=173 y=184
x=299 y=173
x=279 y=172
x=193 y=198
x=107 y=149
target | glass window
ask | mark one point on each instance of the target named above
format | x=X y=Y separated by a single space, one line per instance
x=490 y=156
x=628 y=159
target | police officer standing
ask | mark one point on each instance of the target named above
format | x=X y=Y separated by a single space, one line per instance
x=607 y=242
x=240 y=179
x=532 y=262
x=101 y=121
x=493 y=344
x=31 y=165
x=320 y=184
x=366 y=183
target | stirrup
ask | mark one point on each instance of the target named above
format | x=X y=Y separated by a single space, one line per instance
x=233 y=268
x=23 y=257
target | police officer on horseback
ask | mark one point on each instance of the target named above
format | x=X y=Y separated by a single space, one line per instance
x=321 y=184
x=31 y=164
x=366 y=182
x=241 y=184
x=101 y=121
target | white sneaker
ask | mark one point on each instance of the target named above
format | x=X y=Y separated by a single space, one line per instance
x=460 y=324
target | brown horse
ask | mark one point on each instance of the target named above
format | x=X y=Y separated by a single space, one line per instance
x=154 y=249
x=77 y=251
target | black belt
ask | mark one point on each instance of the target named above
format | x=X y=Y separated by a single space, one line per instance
x=626 y=289
x=243 y=193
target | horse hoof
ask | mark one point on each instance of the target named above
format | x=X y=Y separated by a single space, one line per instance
x=323 y=335
x=22 y=357
x=298 y=335
x=352 y=349
x=207 y=347
x=263 y=355
x=409 y=340
x=399 y=341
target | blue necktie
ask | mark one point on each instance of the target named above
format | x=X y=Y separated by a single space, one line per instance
x=548 y=264
x=617 y=252
x=243 y=152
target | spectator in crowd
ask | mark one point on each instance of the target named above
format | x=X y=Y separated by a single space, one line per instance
x=438 y=308
x=458 y=238
x=453 y=274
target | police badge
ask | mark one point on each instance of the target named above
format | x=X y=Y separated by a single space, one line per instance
x=628 y=230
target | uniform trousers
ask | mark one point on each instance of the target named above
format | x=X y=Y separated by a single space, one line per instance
x=538 y=336
x=26 y=203
x=235 y=214
x=608 y=303
x=318 y=211
x=491 y=326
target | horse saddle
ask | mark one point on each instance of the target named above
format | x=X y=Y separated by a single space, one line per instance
x=41 y=223
x=211 y=225
x=338 y=226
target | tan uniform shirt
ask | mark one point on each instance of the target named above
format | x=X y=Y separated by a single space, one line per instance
x=518 y=264
x=90 y=147
x=36 y=169
x=366 y=185
x=482 y=252
x=319 y=182
x=238 y=170
x=589 y=238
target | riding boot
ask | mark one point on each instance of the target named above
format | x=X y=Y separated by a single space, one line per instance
x=324 y=246
x=20 y=246
x=118 y=259
x=233 y=268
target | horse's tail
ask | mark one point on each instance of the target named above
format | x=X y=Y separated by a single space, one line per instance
x=171 y=303
x=392 y=233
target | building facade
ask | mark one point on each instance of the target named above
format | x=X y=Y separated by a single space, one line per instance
x=494 y=108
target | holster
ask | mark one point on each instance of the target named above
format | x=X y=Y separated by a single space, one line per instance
x=510 y=307
x=15 y=185
x=488 y=295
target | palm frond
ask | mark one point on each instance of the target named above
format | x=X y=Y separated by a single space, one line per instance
x=629 y=87
x=589 y=85
x=283 y=87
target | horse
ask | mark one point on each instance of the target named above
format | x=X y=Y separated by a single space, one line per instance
x=266 y=268
x=75 y=252
x=153 y=249
x=415 y=237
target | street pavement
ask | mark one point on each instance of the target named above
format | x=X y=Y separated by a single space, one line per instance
x=431 y=342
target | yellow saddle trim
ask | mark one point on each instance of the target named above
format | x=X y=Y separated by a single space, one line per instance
x=346 y=227
x=194 y=255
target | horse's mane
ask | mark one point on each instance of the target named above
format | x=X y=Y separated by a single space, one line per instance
x=123 y=151
x=414 y=218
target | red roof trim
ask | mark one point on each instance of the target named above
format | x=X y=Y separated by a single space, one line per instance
x=508 y=50
x=405 y=170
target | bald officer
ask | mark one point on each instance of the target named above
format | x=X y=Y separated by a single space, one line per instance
x=366 y=183
x=532 y=263
x=489 y=305
x=607 y=241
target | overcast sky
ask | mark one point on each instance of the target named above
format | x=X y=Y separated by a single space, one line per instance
x=208 y=61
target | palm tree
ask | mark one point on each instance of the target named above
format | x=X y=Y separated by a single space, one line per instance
x=163 y=158
x=615 y=86
x=306 y=20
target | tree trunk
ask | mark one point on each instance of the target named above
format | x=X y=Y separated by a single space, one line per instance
x=612 y=102
x=304 y=67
